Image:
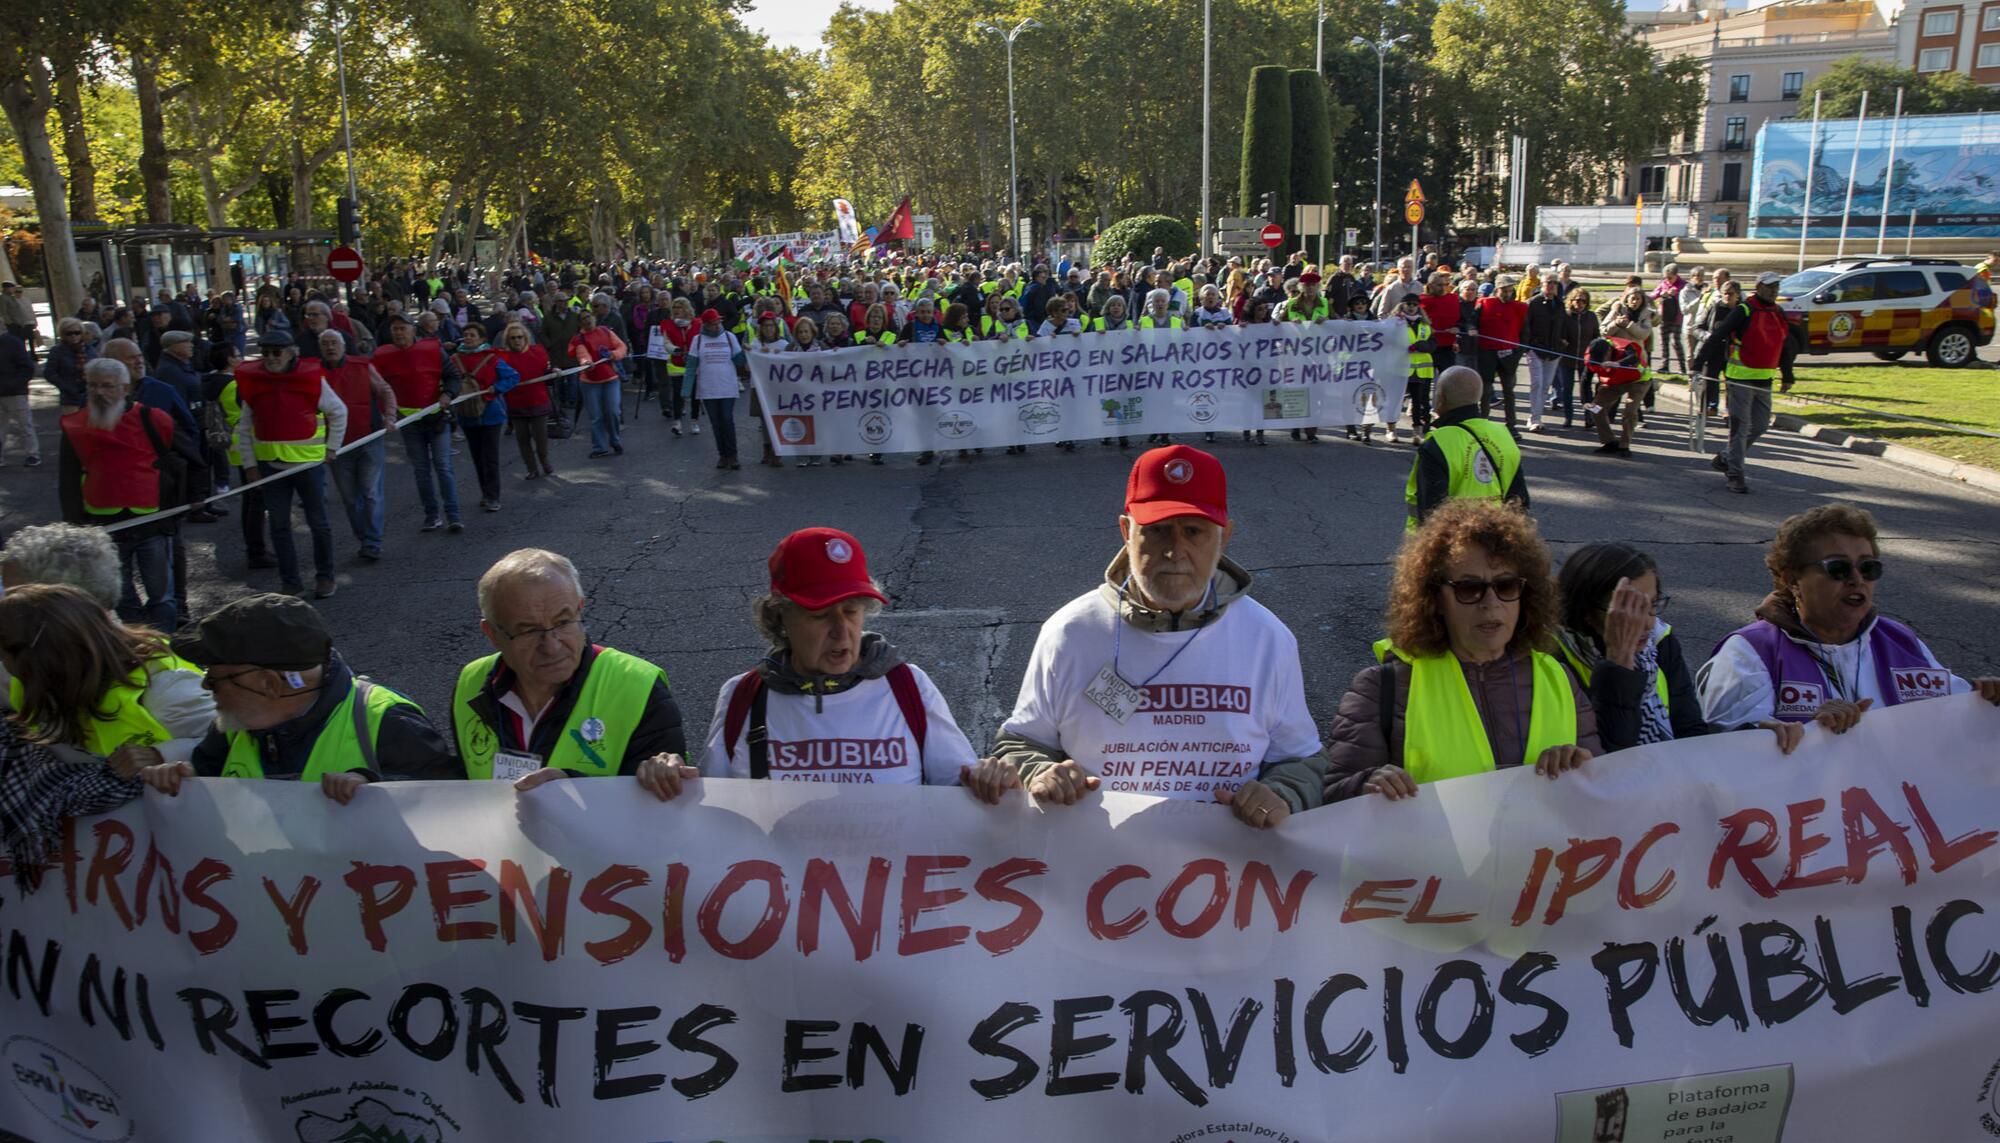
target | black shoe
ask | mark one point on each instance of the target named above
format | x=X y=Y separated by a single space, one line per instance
x=1718 y=463
x=926 y=457
x=1608 y=448
x=1738 y=484
x=874 y=458
x=262 y=562
x=618 y=449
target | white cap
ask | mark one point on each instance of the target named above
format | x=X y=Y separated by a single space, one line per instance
x=1770 y=278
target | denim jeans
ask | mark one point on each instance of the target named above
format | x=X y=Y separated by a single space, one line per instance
x=602 y=400
x=358 y=476
x=429 y=450
x=722 y=420
x=309 y=485
x=146 y=561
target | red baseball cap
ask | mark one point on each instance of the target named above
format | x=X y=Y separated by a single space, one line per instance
x=1176 y=481
x=819 y=567
x=709 y=316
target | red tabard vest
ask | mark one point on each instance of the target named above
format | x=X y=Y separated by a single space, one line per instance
x=285 y=406
x=1764 y=337
x=416 y=373
x=528 y=398
x=350 y=380
x=120 y=467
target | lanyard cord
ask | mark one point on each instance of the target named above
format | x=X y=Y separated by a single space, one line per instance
x=1826 y=666
x=1118 y=631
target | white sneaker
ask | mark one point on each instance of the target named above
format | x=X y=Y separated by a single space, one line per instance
x=696 y=428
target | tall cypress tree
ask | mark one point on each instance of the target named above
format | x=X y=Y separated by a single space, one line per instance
x=1267 y=143
x=1312 y=144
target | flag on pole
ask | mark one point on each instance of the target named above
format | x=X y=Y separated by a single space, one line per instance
x=901 y=225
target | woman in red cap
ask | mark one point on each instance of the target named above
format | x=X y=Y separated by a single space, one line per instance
x=832 y=702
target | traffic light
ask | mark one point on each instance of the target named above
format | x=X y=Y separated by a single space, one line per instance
x=1270 y=209
x=350 y=222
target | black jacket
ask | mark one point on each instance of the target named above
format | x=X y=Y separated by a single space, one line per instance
x=408 y=746
x=1617 y=693
x=1434 y=471
x=1543 y=331
x=659 y=730
x=17 y=366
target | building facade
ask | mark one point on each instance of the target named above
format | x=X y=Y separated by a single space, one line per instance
x=1756 y=62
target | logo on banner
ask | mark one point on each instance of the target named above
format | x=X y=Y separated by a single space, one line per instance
x=1802 y=699
x=1913 y=685
x=956 y=425
x=875 y=427
x=1369 y=395
x=368 y=1120
x=1204 y=408
x=794 y=429
x=1040 y=418
x=69 y=1094
x=1129 y=411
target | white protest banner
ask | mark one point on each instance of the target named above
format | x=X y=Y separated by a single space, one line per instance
x=797 y=246
x=657 y=346
x=908 y=398
x=1698 y=940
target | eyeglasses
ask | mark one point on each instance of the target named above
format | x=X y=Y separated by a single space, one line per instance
x=529 y=636
x=1506 y=589
x=1842 y=568
x=210 y=682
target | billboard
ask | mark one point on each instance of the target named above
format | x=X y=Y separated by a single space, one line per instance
x=1947 y=171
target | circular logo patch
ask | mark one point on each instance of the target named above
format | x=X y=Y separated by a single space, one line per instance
x=593 y=730
x=1482 y=468
x=1178 y=472
x=1840 y=326
x=791 y=430
x=839 y=551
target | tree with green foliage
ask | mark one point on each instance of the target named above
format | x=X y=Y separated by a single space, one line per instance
x=1839 y=88
x=1312 y=146
x=1267 y=144
x=1138 y=235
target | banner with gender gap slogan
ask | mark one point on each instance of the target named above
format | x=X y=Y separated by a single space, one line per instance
x=909 y=398
x=1700 y=940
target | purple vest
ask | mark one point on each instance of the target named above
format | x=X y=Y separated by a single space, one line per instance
x=1799 y=686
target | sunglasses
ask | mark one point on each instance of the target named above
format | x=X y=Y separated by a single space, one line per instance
x=1842 y=568
x=1506 y=589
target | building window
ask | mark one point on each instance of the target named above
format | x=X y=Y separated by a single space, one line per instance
x=1989 y=20
x=1795 y=82
x=1941 y=23
x=1653 y=181
x=1733 y=133
x=1739 y=89
x=1934 y=59
x=1732 y=183
x=1989 y=54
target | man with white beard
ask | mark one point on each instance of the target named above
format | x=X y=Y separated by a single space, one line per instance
x=112 y=453
x=1166 y=678
x=288 y=707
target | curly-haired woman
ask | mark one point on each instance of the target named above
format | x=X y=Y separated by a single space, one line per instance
x=1467 y=681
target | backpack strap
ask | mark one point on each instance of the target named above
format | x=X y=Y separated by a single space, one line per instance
x=1385 y=709
x=740 y=698
x=903 y=681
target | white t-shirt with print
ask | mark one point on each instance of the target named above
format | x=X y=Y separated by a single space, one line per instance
x=1231 y=701
x=854 y=735
x=715 y=378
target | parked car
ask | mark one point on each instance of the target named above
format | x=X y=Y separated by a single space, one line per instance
x=1891 y=307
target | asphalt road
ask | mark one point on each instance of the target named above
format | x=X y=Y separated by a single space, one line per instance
x=977 y=554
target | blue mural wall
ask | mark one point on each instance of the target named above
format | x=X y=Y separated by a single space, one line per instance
x=1947 y=170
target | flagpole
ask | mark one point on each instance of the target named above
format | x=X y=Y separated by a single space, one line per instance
x=1812 y=165
x=1889 y=178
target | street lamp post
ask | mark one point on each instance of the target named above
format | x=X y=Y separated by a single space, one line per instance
x=1207 y=84
x=1381 y=43
x=1013 y=173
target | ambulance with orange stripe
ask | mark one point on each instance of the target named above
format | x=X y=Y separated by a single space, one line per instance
x=1891 y=307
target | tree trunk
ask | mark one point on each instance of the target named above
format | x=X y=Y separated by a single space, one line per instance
x=446 y=217
x=155 y=173
x=469 y=245
x=27 y=101
x=76 y=147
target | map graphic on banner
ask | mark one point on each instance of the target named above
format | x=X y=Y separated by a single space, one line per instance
x=1700 y=934
x=908 y=398
x=797 y=246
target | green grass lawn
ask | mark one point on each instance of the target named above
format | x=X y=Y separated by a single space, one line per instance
x=1951 y=396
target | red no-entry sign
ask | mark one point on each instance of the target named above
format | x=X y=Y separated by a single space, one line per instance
x=1273 y=236
x=344 y=263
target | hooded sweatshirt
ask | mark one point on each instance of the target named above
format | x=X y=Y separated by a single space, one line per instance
x=1223 y=695
x=1737 y=689
x=842 y=728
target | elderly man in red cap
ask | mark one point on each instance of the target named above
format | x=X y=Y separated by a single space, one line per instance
x=832 y=702
x=1166 y=678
